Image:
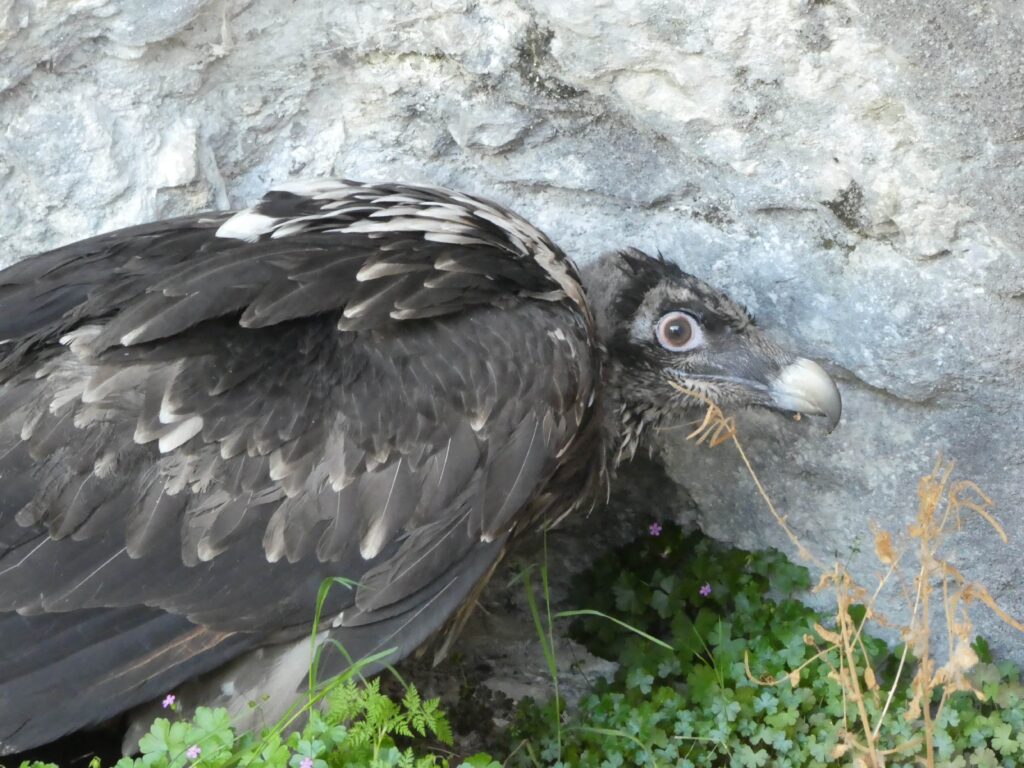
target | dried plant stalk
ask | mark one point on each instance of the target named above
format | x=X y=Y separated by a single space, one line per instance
x=941 y=506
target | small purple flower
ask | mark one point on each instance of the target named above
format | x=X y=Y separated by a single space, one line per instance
x=705 y=590
x=306 y=762
x=655 y=529
x=193 y=752
x=169 y=699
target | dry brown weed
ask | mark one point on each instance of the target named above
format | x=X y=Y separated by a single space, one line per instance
x=913 y=560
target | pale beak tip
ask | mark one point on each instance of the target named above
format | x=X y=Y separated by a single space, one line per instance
x=804 y=387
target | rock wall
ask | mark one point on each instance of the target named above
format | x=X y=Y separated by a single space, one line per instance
x=852 y=172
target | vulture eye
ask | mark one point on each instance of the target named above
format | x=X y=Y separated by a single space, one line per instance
x=679 y=332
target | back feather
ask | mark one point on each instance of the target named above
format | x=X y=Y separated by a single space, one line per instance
x=203 y=419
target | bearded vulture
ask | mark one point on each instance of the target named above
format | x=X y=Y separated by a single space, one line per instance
x=203 y=419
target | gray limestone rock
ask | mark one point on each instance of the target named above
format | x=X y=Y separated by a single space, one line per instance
x=853 y=172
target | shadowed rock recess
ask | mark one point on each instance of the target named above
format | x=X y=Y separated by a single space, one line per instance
x=852 y=172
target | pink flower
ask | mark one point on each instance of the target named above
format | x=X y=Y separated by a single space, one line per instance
x=307 y=762
x=655 y=529
x=193 y=752
x=705 y=590
x=168 y=702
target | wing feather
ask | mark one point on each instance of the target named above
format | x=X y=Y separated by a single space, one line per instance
x=360 y=381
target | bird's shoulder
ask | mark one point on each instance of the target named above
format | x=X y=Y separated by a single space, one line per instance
x=203 y=419
x=373 y=253
x=289 y=382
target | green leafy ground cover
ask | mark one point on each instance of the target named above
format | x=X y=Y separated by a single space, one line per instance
x=716 y=620
x=731 y=619
x=360 y=727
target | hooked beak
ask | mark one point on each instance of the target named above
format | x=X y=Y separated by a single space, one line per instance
x=804 y=387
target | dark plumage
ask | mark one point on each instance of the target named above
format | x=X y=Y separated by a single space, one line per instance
x=202 y=419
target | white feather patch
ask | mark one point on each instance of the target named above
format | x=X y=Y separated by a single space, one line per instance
x=383 y=269
x=105 y=381
x=65 y=395
x=168 y=414
x=105 y=465
x=206 y=551
x=290 y=228
x=247 y=225
x=79 y=338
x=315 y=187
x=373 y=541
x=279 y=468
x=29 y=426
x=232 y=444
x=407 y=224
x=358 y=308
x=453 y=239
x=181 y=434
x=129 y=338
x=400 y=198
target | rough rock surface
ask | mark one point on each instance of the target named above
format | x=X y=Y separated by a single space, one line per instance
x=851 y=171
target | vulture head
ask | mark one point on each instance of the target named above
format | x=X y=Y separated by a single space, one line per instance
x=674 y=343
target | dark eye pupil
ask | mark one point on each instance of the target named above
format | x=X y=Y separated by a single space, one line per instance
x=676 y=331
